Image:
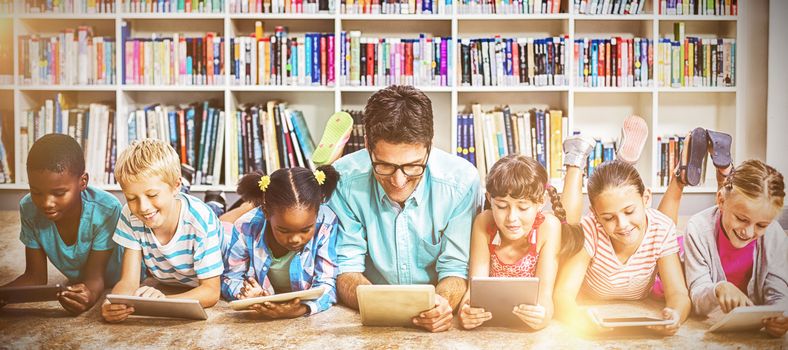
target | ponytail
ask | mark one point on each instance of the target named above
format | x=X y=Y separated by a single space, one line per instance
x=249 y=188
x=330 y=182
x=572 y=237
x=289 y=187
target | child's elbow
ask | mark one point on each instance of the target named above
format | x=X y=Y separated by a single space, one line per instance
x=210 y=300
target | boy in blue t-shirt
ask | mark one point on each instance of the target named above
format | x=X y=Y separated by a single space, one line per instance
x=68 y=222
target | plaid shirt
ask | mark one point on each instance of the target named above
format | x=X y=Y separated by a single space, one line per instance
x=246 y=255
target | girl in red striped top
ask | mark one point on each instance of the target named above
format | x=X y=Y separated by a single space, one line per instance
x=623 y=244
x=514 y=238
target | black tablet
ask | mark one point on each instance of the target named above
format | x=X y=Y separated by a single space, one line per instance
x=28 y=294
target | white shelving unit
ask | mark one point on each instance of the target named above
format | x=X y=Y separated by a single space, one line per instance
x=595 y=111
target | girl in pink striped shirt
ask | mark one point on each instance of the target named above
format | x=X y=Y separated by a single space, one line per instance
x=623 y=244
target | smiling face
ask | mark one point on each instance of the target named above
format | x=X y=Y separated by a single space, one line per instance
x=513 y=217
x=154 y=202
x=399 y=186
x=293 y=227
x=57 y=194
x=743 y=219
x=621 y=211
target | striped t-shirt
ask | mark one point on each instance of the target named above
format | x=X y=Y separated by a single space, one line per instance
x=609 y=278
x=193 y=253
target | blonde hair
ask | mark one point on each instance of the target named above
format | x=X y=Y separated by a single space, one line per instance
x=756 y=181
x=147 y=158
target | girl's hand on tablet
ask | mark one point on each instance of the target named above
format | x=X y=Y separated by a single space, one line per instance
x=114 y=313
x=472 y=317
x=288 y=309
x=149 y=292
x=671 y=329
x=251 y=289
x=532 y=315
x=730 y=297
x=776 y=326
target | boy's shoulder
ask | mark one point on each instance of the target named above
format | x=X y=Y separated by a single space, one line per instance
x=197 y=215
x=450 y=170
x=101 y=199
x=27 y=210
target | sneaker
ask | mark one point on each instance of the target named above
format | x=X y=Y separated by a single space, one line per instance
x=690 y=167
x=335 y=136
x=216 y=200
x=720 y=149
x=576 y=150
x=187 y=176
x=634 y=134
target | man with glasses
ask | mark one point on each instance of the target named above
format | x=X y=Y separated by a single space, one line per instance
x=406 y=209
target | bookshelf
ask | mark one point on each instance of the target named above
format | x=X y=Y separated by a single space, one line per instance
x=597 y=111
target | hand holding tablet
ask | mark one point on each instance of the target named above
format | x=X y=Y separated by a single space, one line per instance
x=28 y=294
x=309 y=294
x=160 y=307
x=746 y=318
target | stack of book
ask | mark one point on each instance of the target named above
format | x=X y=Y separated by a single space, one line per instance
x=699 y=7
x=92 y=126
x=603 y=151
x=476 y=7
x=282 y=6
x=172 y=59
x=609 y=7
x=484 y=137
x=687 y=61
x=172 y=6
x=513 y=61
x=613 y=62
x=669 y=153
x=268 y=137
x=6 y=147
x=397 y=7
x=357 y=135
x=303 y=60
x=195 y=131
x=68 y=6
x=69 y=58
x=422 y=61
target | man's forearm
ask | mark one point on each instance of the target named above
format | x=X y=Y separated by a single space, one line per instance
x=346 y=287
x=452 y=289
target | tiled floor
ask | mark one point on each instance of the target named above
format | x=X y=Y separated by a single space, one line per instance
x=46 y=325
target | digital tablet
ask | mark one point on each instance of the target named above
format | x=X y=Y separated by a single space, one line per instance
x=499 y=295
x=746 y=318
x=161 y=307
x=628 y=321
x=309 y=294
x=393 y=305
x=27 y=294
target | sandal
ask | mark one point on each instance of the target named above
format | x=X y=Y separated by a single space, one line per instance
x=634 y=133
x=690 y=163
x=720 y=148
x=335 y=136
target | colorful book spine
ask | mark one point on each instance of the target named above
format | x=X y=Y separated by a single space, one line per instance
x=609 y=7
x=172 y=6
x=509 y=7
x=63 y=6
x=613 y=62
x=699 y=7
x=396 y=7
x=513 y=61
x=282 y=6
x=696 y=62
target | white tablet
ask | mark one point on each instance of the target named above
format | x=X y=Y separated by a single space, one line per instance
x=393 y=305
x=746 y=318
x=499 y=295
x=161 y=307
x=628 y=321
x=309 y=294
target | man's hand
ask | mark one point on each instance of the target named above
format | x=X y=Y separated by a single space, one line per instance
x=437 y=319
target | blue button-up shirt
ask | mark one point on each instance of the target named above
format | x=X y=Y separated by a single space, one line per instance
x=423 y=242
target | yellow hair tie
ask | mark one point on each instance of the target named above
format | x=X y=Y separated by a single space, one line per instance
x=265 y=180
x=320 y=176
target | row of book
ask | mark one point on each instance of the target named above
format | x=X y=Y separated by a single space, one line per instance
x=669 y=152
x=519 y=7
x=699 y=7
x=6 y=6
x=69 y=58
x=69 y=6
x=484 y=137
x=614 y=62
x=280 y=59
x=92 y=126
x=173 y=6
x=172 y=59
x=397 y=7
x=196 y=131
x=609 y=7
x=603 y=151
x=268 y=137
x=395 y=61
x=513 y=61
x=696 y=62
x=282 y=6
x=6 y=148
x=357 y=135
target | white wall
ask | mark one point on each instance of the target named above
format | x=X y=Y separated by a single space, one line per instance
x=777 y=115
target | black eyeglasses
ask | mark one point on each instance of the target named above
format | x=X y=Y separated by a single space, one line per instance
x=410 y=170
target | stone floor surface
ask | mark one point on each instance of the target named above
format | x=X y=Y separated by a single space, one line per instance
x=46 y=325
